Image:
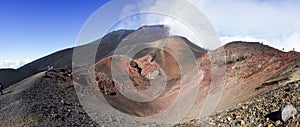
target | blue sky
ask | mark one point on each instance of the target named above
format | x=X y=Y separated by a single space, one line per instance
x=31 y=29
x=34 y=28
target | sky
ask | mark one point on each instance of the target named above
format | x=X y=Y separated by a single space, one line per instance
x=31 y=29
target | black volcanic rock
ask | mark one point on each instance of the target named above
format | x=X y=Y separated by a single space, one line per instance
x=11 y=76
x=145 y=34
x=45 y=99
x=58 y=59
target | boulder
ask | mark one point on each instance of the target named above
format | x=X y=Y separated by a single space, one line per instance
x=293 y=86
x=287 y=112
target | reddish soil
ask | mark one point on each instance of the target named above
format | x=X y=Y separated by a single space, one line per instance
x=238 y=67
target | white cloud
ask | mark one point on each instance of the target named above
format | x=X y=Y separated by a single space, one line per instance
x=276 y=23
x=188 y=21
x=253 y=18
x=14 y=63
x=291 y=42
x=179 y=28
x=226 y=39
x=164 y=12
x=288 y=43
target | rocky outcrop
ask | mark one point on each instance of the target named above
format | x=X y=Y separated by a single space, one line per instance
x=159 y=67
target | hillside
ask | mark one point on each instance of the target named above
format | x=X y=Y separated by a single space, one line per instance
x=246 y=66
x=11 y=76
x=262 y=109
x=105 y=47
x=63 y=58
x=45 y=99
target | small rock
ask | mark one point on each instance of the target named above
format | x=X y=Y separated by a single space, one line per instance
x=235 y=114
x=153 y=74
x=219 y=125
x=277 y=123
x=222 y=121
x=228 y=118
x=212 y=123
x=297 y=103
x=242 y=122
x=244 y=107
x=287 y=112
x=258 y=107
x=260 y=125
x=293 y=86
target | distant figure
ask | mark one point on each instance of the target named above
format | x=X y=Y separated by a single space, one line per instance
x=293 y=49
x=1 y=88
x=50 y=68
x=282 y=49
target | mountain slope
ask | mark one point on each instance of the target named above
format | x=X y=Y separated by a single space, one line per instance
x=63 y=58
x=11 y=76
x=105 y=47
x=261 y=109
x=45 y=99
x=248 y=65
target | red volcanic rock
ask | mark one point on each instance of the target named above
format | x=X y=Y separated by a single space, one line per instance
x=149 y=82
x=248 y=66
x=231 y=74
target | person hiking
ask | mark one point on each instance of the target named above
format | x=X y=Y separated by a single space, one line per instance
x=1 y=88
